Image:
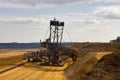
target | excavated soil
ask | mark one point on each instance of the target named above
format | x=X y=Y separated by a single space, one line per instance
x=97 y=61
x=108 y=68
x=95 y=65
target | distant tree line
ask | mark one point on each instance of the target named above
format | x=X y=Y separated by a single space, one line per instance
x=116 y=40
x=19 y=45
x=23 y=45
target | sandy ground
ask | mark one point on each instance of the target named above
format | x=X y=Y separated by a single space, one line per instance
x=33 y=71
x=29 y=71
x=10 y=57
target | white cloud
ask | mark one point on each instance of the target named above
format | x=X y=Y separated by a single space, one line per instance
x=108 y=12
x=87 y=21
x=35 y=3
x=41 y=3
x=109 y=0
x=23 y=21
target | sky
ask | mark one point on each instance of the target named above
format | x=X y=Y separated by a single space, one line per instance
x=85 y=20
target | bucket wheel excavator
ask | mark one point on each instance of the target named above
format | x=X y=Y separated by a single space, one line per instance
x=52 y=52
x=54 y=42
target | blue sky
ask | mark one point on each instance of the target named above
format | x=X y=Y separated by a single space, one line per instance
x=85 y=20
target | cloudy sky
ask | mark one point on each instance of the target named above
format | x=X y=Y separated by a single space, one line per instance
x=85 y=20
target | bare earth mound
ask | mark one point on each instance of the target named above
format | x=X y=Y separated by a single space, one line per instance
x=98 y=66
x=108 y=68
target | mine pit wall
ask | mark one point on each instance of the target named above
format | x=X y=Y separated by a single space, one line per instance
x=78 y=69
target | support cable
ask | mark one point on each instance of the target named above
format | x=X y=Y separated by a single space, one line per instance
x=46 y=33
x=68 y=35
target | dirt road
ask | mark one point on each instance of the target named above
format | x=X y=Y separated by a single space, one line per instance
x=33 y=71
